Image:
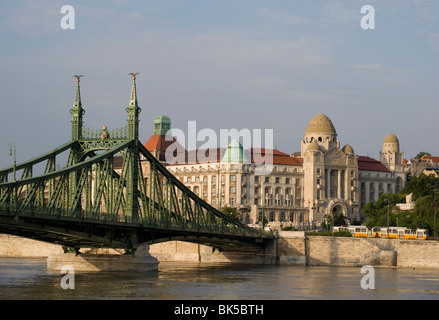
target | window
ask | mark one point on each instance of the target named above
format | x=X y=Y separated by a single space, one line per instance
x=232 y=189
x=272 y=216
x=232 y=201
x=233 y=178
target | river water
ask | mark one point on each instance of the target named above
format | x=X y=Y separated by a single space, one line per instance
x=27 y=278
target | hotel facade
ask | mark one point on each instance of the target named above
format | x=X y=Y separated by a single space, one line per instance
x=298 y=190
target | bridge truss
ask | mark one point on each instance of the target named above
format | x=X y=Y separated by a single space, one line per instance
x=112 y=192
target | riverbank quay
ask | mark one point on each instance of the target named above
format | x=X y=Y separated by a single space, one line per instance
x=289 y=248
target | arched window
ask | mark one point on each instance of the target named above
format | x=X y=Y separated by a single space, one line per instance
x=282 y=216
x=271 y=216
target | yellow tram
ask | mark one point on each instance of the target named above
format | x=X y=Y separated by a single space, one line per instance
x=385 y=232
x=399 y=233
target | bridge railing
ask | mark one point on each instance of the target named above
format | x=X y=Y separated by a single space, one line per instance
x=119 y=133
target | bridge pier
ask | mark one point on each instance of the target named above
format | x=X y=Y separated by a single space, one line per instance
x=140 y=261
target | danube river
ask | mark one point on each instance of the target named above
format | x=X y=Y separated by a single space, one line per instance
x=23 y=278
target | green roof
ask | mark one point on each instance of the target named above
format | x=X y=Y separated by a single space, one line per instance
x=235 y=153
x=162 y=119
x=162 y=124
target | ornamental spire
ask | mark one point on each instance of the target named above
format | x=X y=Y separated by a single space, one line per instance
x=133 y=112
x=77 y=102
x=133 y=99
x=77 y=112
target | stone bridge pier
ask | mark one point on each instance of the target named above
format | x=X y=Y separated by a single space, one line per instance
x=139 y=261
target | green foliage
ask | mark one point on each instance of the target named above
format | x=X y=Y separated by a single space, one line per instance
x=334 y=219
x=231 y=212
x=421 y=186
x=422 y=153
x=425 y=191
x=289 y=228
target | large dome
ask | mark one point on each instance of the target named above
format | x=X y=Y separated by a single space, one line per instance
x=320 y=124
x=391 y=144
x=391 y=138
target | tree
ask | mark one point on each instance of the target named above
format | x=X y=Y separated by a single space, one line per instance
x=422 y=153
x=421 y=186
x=379 y=212
x=425 y=190
x=334 y=219
x=339 y=218
x=231 y=212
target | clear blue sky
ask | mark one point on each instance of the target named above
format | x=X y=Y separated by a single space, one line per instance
x=226 y=64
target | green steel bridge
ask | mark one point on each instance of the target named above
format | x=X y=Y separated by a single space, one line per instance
x=91 y=202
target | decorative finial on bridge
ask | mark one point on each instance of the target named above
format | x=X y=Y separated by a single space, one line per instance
x=77 y=77
x=133 y=99
x=77 y=102
x=134 y=75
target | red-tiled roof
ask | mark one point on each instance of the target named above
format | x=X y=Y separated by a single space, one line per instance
x=209 y=155
x=369 y=164
x=158 y=144
x=260 y=155
x=433 y=159
x=257 y=155
x=267 y=156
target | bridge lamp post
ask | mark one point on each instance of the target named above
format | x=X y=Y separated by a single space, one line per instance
x=12 y=145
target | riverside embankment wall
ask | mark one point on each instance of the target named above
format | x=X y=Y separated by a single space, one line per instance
x=290 y=248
